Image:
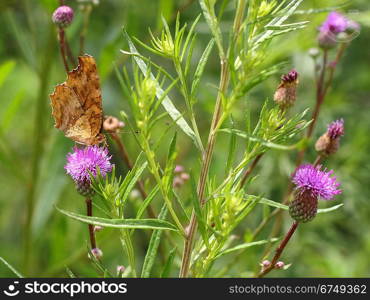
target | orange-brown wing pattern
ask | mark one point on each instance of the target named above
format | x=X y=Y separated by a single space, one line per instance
x=77 y=104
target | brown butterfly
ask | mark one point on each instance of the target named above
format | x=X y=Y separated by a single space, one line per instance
x=77 y=104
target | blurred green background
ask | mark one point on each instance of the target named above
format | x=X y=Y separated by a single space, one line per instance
x=32 y=152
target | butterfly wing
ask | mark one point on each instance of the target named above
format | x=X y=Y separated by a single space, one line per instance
x=77 y=104
x=69 y=115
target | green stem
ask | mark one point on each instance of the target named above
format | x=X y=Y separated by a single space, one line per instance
x=127 y=245
x=224 y=80
x=155 y=171
x=189 y=105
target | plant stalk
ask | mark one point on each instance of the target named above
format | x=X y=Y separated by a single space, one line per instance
x=125 y=157
x=279 y=250
x=190 y=232
x=62 y=47
x=91 y=227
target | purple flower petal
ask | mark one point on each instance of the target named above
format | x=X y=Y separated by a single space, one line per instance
x=336 y=129
x=335 y=23
x=318 y=183
x=82 y=161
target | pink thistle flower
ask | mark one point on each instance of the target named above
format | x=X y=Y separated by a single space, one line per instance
x=335 y=23
x=82 y=162
x=311 y=184
x=309 y=178
x=63 y=16
x=336 y=129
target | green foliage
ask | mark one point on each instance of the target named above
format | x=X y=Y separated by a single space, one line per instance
x=165 y=76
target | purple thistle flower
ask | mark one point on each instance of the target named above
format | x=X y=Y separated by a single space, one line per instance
x=335 y=23
x=290 y=77
x=310 y=179
x=311 y=183
x=286 y=93
x=82 y=161
x=63 y=16
x=336 y=129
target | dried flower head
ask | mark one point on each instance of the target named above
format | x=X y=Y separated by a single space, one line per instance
x=63 y=16
x=336 y=28
x=329 y=142
x=286 y=95
x=336 y=129
x=311 y=184
x=83 y=162
x=112 y=124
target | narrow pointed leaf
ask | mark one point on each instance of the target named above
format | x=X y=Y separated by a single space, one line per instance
x=121 y=223
x=151 y=253
x=166 y=102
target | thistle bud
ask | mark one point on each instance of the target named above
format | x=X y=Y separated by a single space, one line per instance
x=63 y=16
x=286 y=95
x=266 y=263
x=84 y=188
x=112 y=124
x=336 y=28
x=279 y=265
x=120 y=270
x=304 y=207
x=98 y=228
x=327 y=40
x=329 y=142
x=98 y=254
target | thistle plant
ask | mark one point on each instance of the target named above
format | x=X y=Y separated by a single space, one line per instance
x=194 y=213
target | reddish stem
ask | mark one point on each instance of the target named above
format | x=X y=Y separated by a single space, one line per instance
x=279 y=250
x=62 y=48
x=250 y=169
x=91 y=227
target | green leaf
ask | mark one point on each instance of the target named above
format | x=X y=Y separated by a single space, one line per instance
x=252 y=138
x=211 y=19
x=153 y=247
x=286 y=207
x=329 y=209
x=166 y=102
x=200 y=68
x=167 y=267
x=273 y=203
x=130 y=180
x=284 y=14
x=121 y=223
x=198 y=210
x=11 y=268
x=170 y=164
x=245 y=245
x=5 y=69
x=70 y=273
x=232 y=148
x=52 y=182
x=146 y=202
x=11 y=110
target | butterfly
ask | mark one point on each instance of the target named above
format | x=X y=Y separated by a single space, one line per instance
x=77 y=104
